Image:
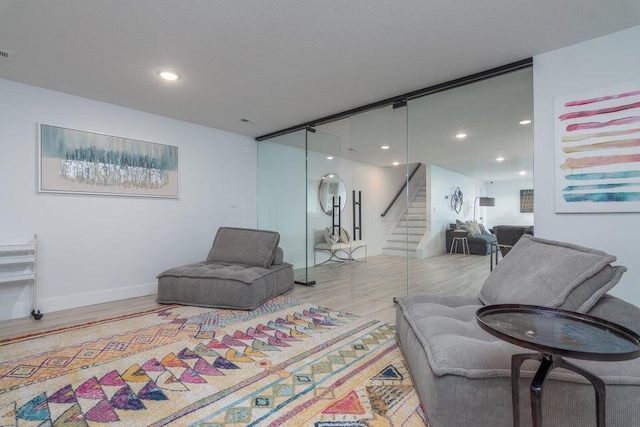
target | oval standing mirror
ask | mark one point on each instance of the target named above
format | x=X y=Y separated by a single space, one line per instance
x=332 y=185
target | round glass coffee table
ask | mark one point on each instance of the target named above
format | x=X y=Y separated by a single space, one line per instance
x=556 y=334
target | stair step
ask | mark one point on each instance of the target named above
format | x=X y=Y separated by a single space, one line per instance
x=409 y=230
x=412 y=246
x=419 y=210
x=420 y=199
x=403 y=253
x=414 y=217
x=421 y=205
x=399 y=237
x=413 y=223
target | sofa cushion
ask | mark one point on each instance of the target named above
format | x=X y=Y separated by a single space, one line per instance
x=278 y=257
x=552 y=274
x=456 y=345
x=464 y=378
x=244 y=246
x=234 y=286
x=487 y=238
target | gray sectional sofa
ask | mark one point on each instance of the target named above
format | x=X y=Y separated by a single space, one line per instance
x=478 y=245
x=244 y=269
x=463 y=373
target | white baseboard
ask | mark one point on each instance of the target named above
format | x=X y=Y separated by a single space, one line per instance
x=48 y=305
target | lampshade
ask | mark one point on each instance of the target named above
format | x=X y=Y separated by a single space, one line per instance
x=487 y=201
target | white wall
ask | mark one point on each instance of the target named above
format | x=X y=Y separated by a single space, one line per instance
x=507 y=208
x=100 y=248
x=607 y=60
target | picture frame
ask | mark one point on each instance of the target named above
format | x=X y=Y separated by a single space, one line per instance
x=72 y=161
x=597 y=150
x=526 y=201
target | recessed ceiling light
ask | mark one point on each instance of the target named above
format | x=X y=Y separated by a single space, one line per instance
x=330 y=175
x=168 y=75
x=395 y=163
x=385 y=147
x=499 y=159
x=523 y=172
x=329 y=157
x=461 y=135
x=524 y=122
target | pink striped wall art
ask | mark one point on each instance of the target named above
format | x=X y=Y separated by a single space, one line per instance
x=597 y=150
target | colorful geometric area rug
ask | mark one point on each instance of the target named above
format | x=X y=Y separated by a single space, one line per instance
x=284 y=364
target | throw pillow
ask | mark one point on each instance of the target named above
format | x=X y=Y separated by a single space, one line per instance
x=474 y=228
x=329 y=237
x=345 y=237
x=552 y=274
x=483 y=230
x=462 y=226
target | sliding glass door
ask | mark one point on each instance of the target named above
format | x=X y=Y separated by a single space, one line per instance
x=282 y=195
x=378 y=171
x=327 y=204
x=477 y=144
x=400 y=180
x=299 y=179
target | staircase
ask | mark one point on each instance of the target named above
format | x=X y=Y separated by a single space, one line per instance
x=410 y=228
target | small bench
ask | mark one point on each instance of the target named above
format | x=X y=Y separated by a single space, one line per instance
x=335 y=248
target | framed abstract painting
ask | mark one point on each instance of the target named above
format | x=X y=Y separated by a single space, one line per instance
x=526 y=201
x=597 y=150
x=79 y=162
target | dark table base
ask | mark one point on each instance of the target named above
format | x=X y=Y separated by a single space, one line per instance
x=495 y=249
x=547 y=363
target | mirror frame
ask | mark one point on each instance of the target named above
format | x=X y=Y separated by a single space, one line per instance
x=342 y=188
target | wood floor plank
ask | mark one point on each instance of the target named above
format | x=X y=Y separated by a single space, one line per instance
x=363 y=288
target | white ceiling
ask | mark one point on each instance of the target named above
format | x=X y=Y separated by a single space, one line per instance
x=280 y=63
x=488 y=112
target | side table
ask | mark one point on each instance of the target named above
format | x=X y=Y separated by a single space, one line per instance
x=465 y=245
x=555 y=333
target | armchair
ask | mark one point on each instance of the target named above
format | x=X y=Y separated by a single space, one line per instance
x=508 y=235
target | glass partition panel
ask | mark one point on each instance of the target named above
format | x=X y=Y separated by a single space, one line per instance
x=415 y=173
x=328 y=204
x=282 y=196
x=477 y=148
x=376 y=153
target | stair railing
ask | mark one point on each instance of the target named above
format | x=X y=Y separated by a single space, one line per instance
x=404 y=186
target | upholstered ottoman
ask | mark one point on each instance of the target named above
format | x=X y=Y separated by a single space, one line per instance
x=244 y=269
x=463 y=374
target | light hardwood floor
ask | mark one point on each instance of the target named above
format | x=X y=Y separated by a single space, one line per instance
x=363 y=288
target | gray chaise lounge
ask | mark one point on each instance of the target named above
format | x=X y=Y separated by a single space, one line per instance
x=462 y=373
x=243 y=270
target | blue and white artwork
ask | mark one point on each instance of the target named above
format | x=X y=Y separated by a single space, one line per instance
x=74 y=161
